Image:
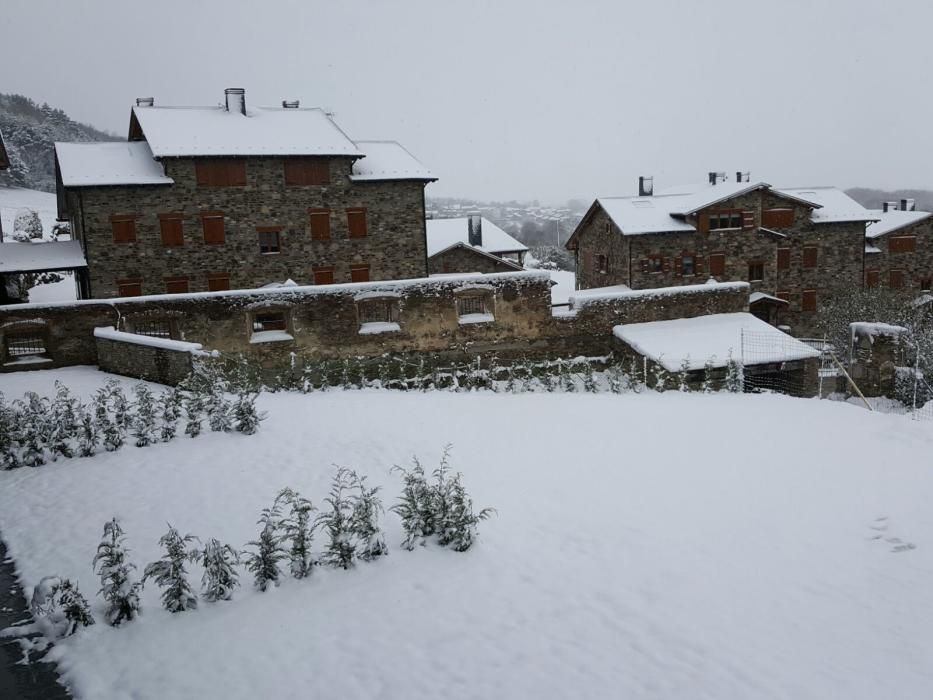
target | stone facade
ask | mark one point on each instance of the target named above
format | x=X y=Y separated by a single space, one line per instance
x=898 y=267
x=143 y=361
x=460 y=259
x=656 y=260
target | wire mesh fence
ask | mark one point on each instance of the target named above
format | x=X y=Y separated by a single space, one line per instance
x=774 y=363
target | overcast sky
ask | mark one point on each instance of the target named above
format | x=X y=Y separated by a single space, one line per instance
x=524 y=98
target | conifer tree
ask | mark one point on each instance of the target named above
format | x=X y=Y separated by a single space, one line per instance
x=264 y=562
x=245 y=416
x=298 y=530
x=735 y=375
x=589 y=379
x=170 y=573
x=364 y=521
x=634 y=374
x=338 y=522
x=194 y=411
x=144 y=418
x=116 y=576
x=660 y=376
x=220 y=577
x=547 y=379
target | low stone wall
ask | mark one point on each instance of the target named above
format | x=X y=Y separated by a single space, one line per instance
x=153 y=359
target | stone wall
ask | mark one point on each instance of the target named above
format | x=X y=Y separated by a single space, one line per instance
x=916 y=265
x=462 y=259
x=142 y=361
x=394 y=248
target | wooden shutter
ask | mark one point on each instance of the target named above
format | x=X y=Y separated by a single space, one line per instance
x=359 y=273
x=124 y=228
x=132 y=287
x=171 y=228
x=307 y=171
x=665 y=264
x=218 y=281
x=902 y=244
x=679 y=265
x=323 y=274
x=872 y=278
x=717 y=265
x=176 y=285
x=356 y=221
x=703 y=222
x=748 y=219
x=213 y=225
x=896 y=279
x=226 y=172
x=320 y=224
x=783 y=259
x=810 y=256
x=808 y=300
x=777 y=218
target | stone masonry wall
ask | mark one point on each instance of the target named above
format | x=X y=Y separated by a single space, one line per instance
x=394 y=248
x=460 y=260
x=143 y=362
x=917 y=266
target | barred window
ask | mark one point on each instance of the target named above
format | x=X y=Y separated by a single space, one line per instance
x=154 y=328
x=28 y=343
x=378 y=311
x=471 y=304
x=270 y=321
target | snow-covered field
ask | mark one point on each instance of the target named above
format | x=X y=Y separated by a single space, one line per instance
x=646 y=546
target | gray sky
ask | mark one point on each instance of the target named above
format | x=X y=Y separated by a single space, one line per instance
x=522 y=98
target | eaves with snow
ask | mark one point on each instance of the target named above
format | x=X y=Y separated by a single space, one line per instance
x=893 y=220
x=446 y=233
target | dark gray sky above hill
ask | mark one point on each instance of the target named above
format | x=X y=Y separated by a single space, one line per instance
x=524 y=98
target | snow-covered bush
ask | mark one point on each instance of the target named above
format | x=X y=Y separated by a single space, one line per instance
x=246 y=418
x=27 y=225
x=58 y=607
x=416 y=505
x=298 y=529
x=220 y=577
x=144 y=417
x=264 y=562
x=337 y=521
x=735 y=375
x=35 y=429
x=707 y=386
x=683 y=376
x=170 y=573
x=458 y=528
x=169 y=411
x=364 y=522
x=118 y=588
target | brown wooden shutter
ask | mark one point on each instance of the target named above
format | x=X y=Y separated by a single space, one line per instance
x=359 y=273
x=320 y=224
x=356 y=221
x=703 y=222
x=176 y=285
x=748 y=219
x=124 y=228
x=717 y=265
x=902 y=244
x=872 y=278
x=323 y=274
x=665 y=264
x=896 y=279
x=213 y=225
x=679 y=264
x=236 y=173
x=808 y=300
x=132 y=287
x=318 y=171
x=172 y=230
x=218 y=281
x=783 y=259
x=307 y=171
x=810 y=255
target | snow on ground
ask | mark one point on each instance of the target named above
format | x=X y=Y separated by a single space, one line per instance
x=12 y=199
x=566 y=281
x=65 y=290
x=646 y=546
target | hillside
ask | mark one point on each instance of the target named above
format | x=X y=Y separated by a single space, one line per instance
x=29 y=132
x=873 y=199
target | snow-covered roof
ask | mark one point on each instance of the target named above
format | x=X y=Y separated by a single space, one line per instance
x=712 y=339
x=109 y=163
x=444 y=233
x=262 y=131
x=889 y=221
x=755 y=297
x=636 y=215
x=479 y=251
x=387 y=160
x=835 y=206
x=35 y=257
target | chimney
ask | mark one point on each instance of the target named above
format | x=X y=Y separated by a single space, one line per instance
x=145 y=101
x=908 y=205
x=889 y=206
x=743 y=176
x=645 y=186
x=290 y=104
x=235 y=100
x=475 y=230
x=716 y=178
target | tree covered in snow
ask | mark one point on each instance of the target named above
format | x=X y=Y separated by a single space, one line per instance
x=89 y=435
x=63 y=424
x=337 y=521
x=245 y=416
x=683 y=376
x=59 y=608
x=27 y=225
x=708 y=380
x=298 y=529
x=113 y=413
x=735 y=375
x=35 y=429
x=458 y=528
x=660 y=376
x=264 y=562
x=220 y=577
x=118 y=588
x=144 y=417
x=9 y=433
x=364 y=521
x=170 y=573
x=416 y=505
x=169 y=410
x=194 y=413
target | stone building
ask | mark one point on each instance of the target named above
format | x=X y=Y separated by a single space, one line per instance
x=796 y=247
x=471 y=244
x=899 y=248
x=4 y=165
x=214 y=198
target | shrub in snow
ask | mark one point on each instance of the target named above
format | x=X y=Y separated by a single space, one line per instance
x=194 y=411
x=735 y=375
x=169 y=412
x=364 y=522
x=245 y=416
x=298 y=531
x=458 y=527
x=34 y=433
x=63 y=422
x=220 y=577
x=58 y=607
x=660 y=377
x=707 y=387
x=416 y=505
x=9 y=432
x=88 y=432
x=113 y=414
x=683 y=375
x=264 y=562
x=218 y=412
x=338 y=522
x=27 y=225
x=144 y=417
x=170 y=572
x=589 y=381
x=118 y=589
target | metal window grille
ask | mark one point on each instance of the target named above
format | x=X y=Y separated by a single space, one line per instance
x=378 y=311
x=270 y=321
x=471 y=304
x=25 y=344
x=158 y=328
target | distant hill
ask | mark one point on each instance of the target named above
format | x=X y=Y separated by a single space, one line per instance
x=873 y=199
x=29 y=132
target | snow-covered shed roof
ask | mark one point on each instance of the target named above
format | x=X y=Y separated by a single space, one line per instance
x=712 y=338
x=756 y=297
x=262 y=131
x=39 y=257
x=387 y=160
x=479 y=251
x=444 y=233
x=835 y=206
x=109 y=163
x=893 y=220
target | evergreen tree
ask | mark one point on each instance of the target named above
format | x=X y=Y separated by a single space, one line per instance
x=63 y=424
x=458 y=529
x=27 y=225
x=34 y=431
x=220 y=577
x=547 y=379
x=364 y=522
x=735 y=375
x=660 y=376
x=120 y=408
x=634 y=374
x=144 y=418
x=338 y=522
x=415 y=506
x=169 y=410
x=264 y=563
x=59 y=608
x=170 y=572
x=707 y=387
x=684 y=375
x=218 y=411
x=589 y=380
x=298 y=529
x=194 y=410
x=116 y=576
x=88 y=433
x=246 y=417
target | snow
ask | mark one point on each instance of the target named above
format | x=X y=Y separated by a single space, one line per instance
x=12 y=199
x=375 y=327
x=564 y=283
x=55 y=292
x=109 y=163
x=37 y=256
x=835 y=205
x=889 y=221
x=620 y=564
x=262 y=131
x=871 y=249
x=110 y=333
x=270 y=337
x=387 y=160
x=638 y=215
x=711 y=338
x=446 y=233
x=755 y=297
x=871 y=329
x=468 y=319
x=581 y=298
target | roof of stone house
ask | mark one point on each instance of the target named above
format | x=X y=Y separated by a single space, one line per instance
x=4 y=158
x=835 y=205
x=46 y=256
x=893 y=220
x=387 y=160
x=479 y=251
x=109 y=163
x=444 y=233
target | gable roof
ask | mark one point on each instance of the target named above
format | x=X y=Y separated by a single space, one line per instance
x=4 y=158
x=444 y=233
x=109 y=163
x=36 y=257
x=262 y=131
x=835 y=206
x=387 y=160
x=889 y=221
x=479 y=251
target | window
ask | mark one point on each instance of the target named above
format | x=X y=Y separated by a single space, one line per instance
x=608 y=227
x=756 y=272
x=356 y=220
x=783 y=259
x=24 y=343
x=601 y=263
x=171 y=227
x=268 y=240
x=471 y=304
x=654 y=263
x=220 y=173
x=320 y=224
x=130 y=287
x=808 y=301
x=717 y=265
x=872 y=278
x=902 y=244
x=307 y=171
x=378 y=311
x=154 y=327
x=323 y=274
x=688 y=265
x=218 y=281
x=896 y=279
x=214 y=231
x=359 y=273
x=176 y=285
x=725 y=220
x=269 y=321
x=777 y=218
x=124 y=228
x=810 y=256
